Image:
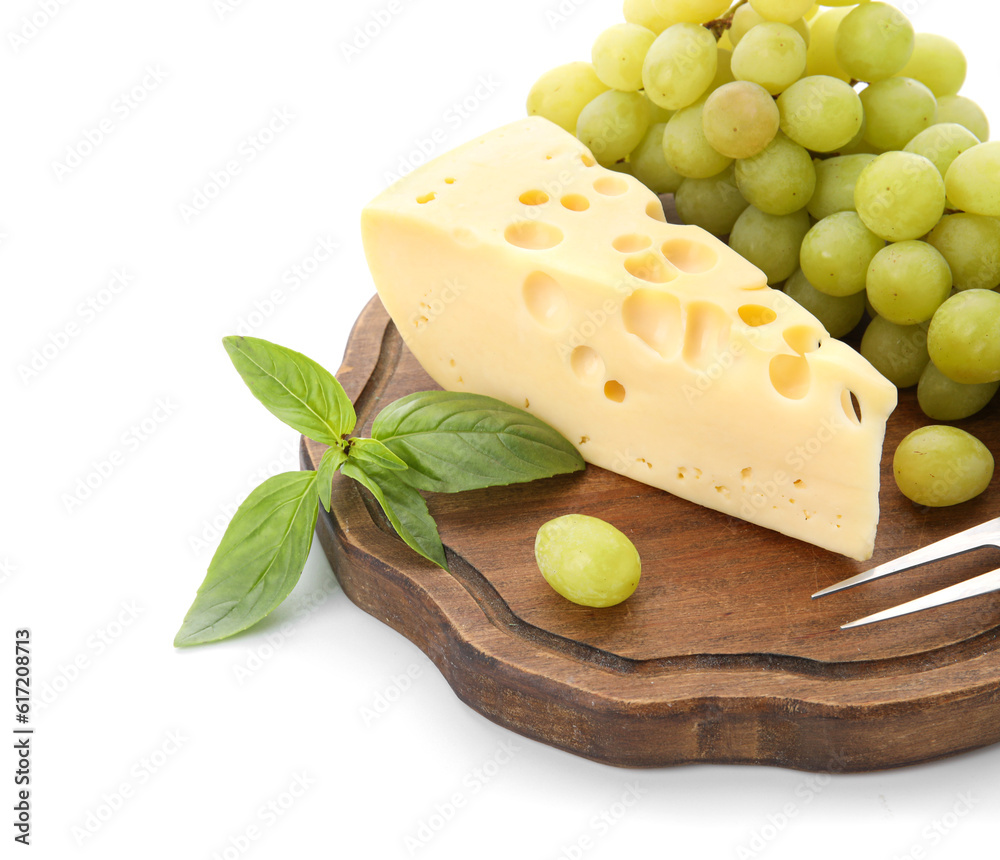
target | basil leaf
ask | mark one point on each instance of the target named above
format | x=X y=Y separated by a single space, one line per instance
x=453 y=441
x=373 y=451
x=404 y=506
x=333 y=459
x=295 y=388
x=259 y=560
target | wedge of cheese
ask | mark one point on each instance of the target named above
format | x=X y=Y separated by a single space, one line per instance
x=515 y=266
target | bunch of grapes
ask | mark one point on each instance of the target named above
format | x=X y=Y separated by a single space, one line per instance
x=831 y=148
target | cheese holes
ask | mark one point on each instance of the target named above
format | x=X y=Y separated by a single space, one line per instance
x=790 y=376
x=654 y=317
x=450 y=180
x=756 y=315
x=545 y=300
x=587 y=159
x=852 y=407
x=533 y=235
x=654 y=209
x=614 y=390
x=649 y=267
x=426 y=198
x=575 y=202
x=610 y=186
x=803 y=338
x=706 y=335
x=534 y=198
x=631 y=242
x=691 y=257
x=587 y=364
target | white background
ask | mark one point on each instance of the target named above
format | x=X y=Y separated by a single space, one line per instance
x=168 y=753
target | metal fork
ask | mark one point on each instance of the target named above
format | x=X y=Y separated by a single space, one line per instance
x=986 y=534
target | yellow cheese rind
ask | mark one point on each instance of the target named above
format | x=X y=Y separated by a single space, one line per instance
x=517 y=267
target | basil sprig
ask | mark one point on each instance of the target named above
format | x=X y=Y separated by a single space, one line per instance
x=450 y=441
x=436 y=441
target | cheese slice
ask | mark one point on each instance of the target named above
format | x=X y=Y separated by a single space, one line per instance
x=515 y=266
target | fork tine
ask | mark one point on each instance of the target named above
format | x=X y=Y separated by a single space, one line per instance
x=978 y=536
x=983 y=584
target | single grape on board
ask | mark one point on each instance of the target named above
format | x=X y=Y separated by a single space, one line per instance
x=587 y=560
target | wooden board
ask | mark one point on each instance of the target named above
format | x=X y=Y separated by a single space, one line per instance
x=719 y=656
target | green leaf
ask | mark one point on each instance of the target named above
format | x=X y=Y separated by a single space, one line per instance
x=332 y=460
x=453 y=441
x=295 y=388
x=404 y=506
x=259 y=560
x=373 y=451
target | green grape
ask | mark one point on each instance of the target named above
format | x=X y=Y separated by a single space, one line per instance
x=821 y=113
x=962 y=339
x=938 y=63
x=973 y=180
x=801 y=26
x=943 y=399
x=587 y=560
x=740 y=119
x=780 y=179
x=783 y=11
x=713 y=203
x=693 y=11
x=835 y=181
x=770 y=54
x=618 y=55
x=842 y=2
x=612 y=125
x=839 y=314
x=939 y=465
x=874 y=42
x=723 y=70
x=770 y=242
x=896 y=111
x=836 y=252
x=860 y=146
x=680 y=65
x=965 y=112
x=971 y=245
x=899 y=196
x=898 y=352
x=647 y=164
x=744 y=18
x=907 y=281
x=646 y=13
x=561 y=93
x=657 y=114
x=686 y=148
x=821 y=58
x=941 y=144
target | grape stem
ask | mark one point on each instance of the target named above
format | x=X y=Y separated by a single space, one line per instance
x=724 y=22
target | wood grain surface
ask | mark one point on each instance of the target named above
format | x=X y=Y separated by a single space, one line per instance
x=719 y=656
